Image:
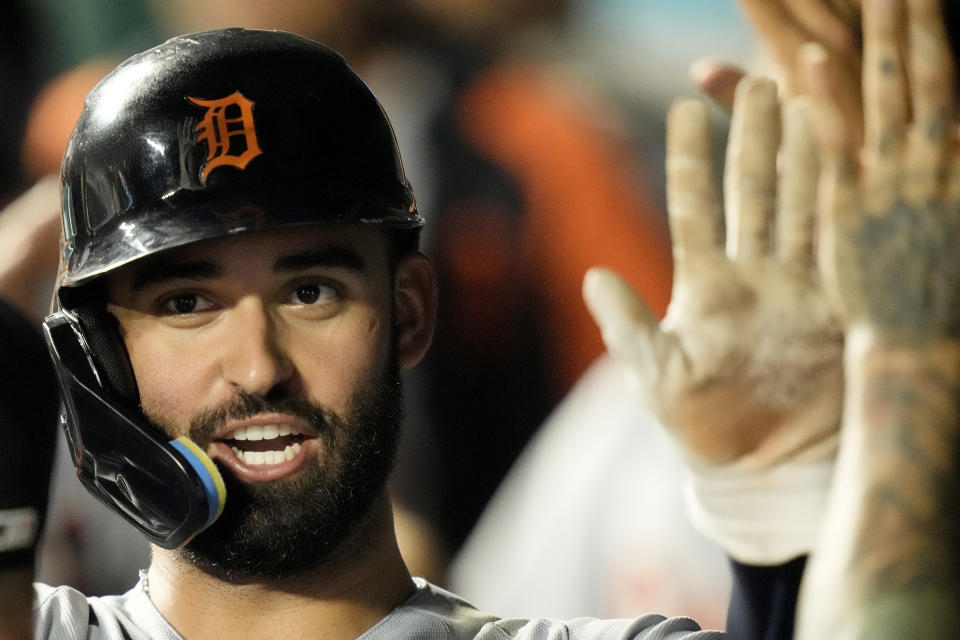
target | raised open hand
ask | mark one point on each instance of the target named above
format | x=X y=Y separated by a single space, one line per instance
x=745 y=369
x=746 y=364
x=886 y=565
x=891 y=210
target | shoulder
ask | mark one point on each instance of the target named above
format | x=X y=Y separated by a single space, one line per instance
x=432 y=612
x=60 y=612
x=648 y=627
x=63 y=613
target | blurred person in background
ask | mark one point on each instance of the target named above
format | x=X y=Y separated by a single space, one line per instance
x=534 y=181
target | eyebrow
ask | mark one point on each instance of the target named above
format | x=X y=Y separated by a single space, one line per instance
x=335 y=257
x=161 y=270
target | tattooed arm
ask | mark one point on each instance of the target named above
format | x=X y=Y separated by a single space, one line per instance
x=887 y=563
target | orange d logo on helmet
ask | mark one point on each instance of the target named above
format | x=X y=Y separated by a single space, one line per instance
x=228 y=130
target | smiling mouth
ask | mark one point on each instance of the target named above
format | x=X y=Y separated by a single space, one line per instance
x=265 y=444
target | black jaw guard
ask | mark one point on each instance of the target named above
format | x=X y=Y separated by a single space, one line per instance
x=168 y=489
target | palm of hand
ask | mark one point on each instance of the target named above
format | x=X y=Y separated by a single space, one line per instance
x=750 y=363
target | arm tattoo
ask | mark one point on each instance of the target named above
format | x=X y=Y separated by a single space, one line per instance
x=903 y=573
x=909 y=261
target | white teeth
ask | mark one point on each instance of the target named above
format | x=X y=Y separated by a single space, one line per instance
x=263 y=432
x=253 y=458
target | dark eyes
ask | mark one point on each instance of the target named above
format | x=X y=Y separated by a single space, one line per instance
x=307 y=295
x=184 y=303
x=313 y=293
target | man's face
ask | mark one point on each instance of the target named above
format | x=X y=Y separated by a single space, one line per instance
x=276 y=353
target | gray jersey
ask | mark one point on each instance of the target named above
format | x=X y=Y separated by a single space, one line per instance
x=430 y=613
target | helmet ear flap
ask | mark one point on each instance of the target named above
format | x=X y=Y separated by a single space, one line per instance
x=169 y=489
x=102 y=332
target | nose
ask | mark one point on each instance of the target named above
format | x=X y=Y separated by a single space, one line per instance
x=252 y=357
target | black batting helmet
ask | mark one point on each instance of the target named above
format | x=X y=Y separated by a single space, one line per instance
x=215 y=133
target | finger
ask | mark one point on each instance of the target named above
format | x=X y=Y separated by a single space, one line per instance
x=751 y=175
x=838 y=186
x=837 y=154
x=848 y=95
x=932 y=90
x=717 y=79
x=825 y=25
x=627 y=325
x=884 y=104
x=797 y=190
x=780 y=34
x=692 y=199
x=846 y=57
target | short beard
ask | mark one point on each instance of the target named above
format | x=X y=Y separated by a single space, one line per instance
x=284 y=528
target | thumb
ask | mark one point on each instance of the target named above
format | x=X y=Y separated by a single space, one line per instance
x=626 y=323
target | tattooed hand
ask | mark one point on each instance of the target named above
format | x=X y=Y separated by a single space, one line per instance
x=745 y=370
x=887 y=564
x=892 y=215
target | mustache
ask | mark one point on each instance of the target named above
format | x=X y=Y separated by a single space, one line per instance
x=245 y=405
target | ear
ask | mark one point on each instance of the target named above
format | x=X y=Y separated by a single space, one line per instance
x=415 y=301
